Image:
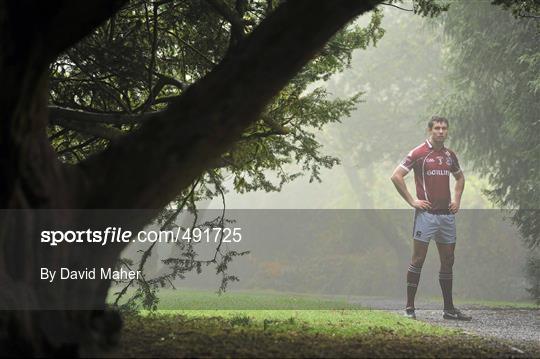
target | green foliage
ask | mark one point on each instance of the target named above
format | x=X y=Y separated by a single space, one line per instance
x=182 y=259
x=521 y=8
x=144 y=57
x=429 y=8
x=166 y=55
x=240 y=320
x=492 y=96
x=493 y=101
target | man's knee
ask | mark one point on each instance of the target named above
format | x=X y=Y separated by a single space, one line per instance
x=447 y=261
x=418 y=260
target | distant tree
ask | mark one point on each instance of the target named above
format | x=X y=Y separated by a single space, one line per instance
x=493 y=99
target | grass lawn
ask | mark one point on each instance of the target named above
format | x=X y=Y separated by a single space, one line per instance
x=304 y=326
x=245 y=300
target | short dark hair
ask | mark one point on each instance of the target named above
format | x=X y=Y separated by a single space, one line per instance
x=437 y=119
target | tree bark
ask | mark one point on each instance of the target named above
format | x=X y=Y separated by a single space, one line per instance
x=144 y=169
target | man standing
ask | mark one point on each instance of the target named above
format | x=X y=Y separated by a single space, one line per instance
x=434 y=210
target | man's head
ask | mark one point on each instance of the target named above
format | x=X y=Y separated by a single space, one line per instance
x=438 y=129
x=436 y=119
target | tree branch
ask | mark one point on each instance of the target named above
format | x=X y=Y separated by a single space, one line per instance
x=166 y=99
x=69 y=21
x=259 y=135
x=75 y=147
x=32 y=27
x=383 y=3
x=108 y=133
x=147 y=168
x=237 y=23
x=59 y=114
x=194 y=49
x=526 y=15
x=161 y=83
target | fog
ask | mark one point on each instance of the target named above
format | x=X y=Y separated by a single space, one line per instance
x=398 y=77
x=350 y=234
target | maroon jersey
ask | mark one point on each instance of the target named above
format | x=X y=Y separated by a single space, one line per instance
x=432 y=170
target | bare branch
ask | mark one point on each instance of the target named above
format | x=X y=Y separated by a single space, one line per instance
x=383 y=3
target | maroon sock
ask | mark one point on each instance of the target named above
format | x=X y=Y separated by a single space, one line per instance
x=445 y=280
x=413 y=278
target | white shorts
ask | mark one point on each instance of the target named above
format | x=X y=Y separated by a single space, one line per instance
x=440 y=227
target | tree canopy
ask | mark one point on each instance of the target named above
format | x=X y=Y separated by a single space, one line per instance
x=97 y=95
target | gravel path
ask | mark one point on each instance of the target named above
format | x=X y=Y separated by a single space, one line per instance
x=520 y=327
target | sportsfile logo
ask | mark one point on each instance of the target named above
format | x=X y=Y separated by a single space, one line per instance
x=118 y=235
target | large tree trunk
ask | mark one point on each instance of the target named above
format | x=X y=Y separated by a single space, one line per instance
x=34 y=185
x=69 y=317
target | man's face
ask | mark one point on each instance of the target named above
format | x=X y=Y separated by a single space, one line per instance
x=439 y=132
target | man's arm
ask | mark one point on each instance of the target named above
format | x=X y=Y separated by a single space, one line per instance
x=399 y=183
x=458 y=191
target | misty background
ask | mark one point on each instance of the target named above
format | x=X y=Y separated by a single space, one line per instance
x=350 y=233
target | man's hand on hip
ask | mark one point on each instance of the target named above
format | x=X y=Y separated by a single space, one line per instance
x=421 y=204
x=454 y=207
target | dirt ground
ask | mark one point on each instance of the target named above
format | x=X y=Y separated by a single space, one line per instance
x=520 y=328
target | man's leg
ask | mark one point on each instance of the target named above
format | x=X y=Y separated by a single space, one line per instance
x=413 y=273
x=446 y=255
